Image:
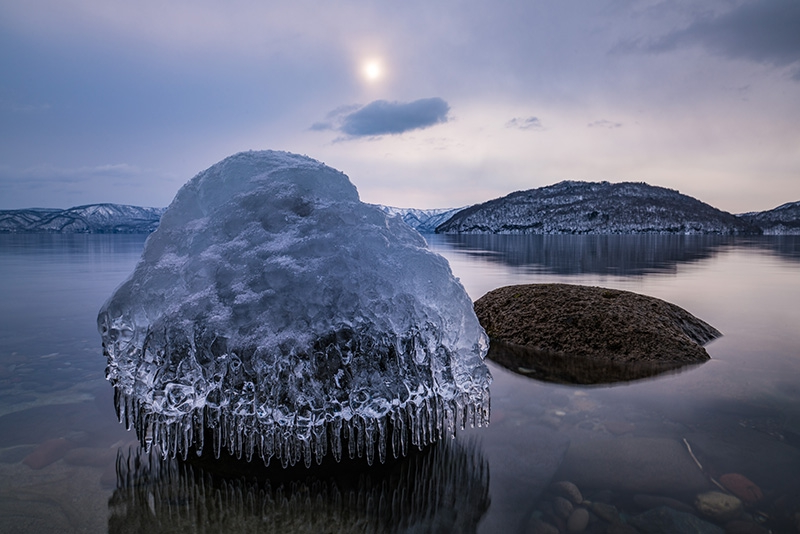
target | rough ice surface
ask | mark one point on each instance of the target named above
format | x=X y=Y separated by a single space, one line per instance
x=275 y=314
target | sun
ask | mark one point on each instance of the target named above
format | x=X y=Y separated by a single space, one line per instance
x=372 y=70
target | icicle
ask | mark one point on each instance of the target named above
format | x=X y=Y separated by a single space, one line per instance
x=369 y=439
x=119 y=407
x=128 y=406
x=381 y=424
x=188 y=430
x=306 y=443
x=174 y=435
x=320 y=441
x=486 y=409
x=461 y=412
x=296 y=447
x=397 y=429
x=428 y=421
x=217 y=436
x=198 y=427
x=349 y=436
x=404 y=430
x=335 y=431
x=268 y=443
x=471 y=414
x=284 y=451
x=249 y=445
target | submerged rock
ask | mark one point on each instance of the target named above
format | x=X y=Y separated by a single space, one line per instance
x=280 y=316
x=48 y=452
x=664 y=520
x=578 y=520
x=579 y=334
x=568 y=490
x=742 y=487
x=633 y=464
x=718 y=506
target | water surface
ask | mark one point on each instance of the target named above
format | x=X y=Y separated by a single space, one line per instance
x=66 y=465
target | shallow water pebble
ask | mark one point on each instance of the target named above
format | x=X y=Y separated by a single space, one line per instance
x=718 y=506
x=578 y=520
x=568 y=490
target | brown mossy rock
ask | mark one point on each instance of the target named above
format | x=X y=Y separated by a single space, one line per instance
x=593 y=326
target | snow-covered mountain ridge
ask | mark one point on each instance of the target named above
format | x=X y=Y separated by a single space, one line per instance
x=89 y=219
x=783 y=220
x=423 y=221
x=563 y=208
x=572 y=207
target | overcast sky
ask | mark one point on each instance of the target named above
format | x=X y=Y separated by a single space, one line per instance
x=424 y=104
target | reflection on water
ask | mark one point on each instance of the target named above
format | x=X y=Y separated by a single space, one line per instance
x=785 y=246
x=441 y=489
x=575 y=369
x=599 y=254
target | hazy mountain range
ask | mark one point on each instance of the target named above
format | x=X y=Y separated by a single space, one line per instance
x=90 y=219
x=567 y=207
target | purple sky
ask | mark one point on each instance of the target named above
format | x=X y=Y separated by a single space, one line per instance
x=423 y=104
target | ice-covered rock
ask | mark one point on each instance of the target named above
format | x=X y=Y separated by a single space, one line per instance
x=278 y=315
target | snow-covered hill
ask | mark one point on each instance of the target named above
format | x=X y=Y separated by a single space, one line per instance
x=90 y=219
x=783 y=220
x=423 y=221
x=563 y=208
x=596 y=208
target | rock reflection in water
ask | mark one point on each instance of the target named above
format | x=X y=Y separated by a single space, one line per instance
x=444 y=488
x=572 y=369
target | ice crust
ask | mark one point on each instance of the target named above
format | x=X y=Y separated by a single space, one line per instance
x=277 y=315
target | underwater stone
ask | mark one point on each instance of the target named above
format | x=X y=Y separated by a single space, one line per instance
x=275 y=313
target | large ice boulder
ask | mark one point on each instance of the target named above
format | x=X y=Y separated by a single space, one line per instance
x=276 y=314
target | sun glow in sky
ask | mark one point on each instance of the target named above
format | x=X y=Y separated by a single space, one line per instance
x=372 y=70
x=449 y=104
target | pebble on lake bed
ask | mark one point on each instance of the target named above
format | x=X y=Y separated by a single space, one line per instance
x=568 y=490
x=718 y=506
x=537 y=526
x=48 y=452
x=742 y=487
x=562 y=507
x=578 y=520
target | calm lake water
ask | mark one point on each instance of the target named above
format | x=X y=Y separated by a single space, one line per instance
x=66 y=465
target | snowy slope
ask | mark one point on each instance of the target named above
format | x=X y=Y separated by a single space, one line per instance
x=563 y=208
x=783 y=220
x=90 y=219
x=423 y=221
x=596 y=208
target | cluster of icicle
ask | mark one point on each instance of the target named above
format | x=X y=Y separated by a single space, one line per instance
x=245 y=436
x=364 y=395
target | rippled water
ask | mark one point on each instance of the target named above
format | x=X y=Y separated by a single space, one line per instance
x=66 y=465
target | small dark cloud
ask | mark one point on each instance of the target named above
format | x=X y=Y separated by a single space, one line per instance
x=765 y=32
x=605 y=124
x=334 y=117
x=383 y=117
x=529 y=123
